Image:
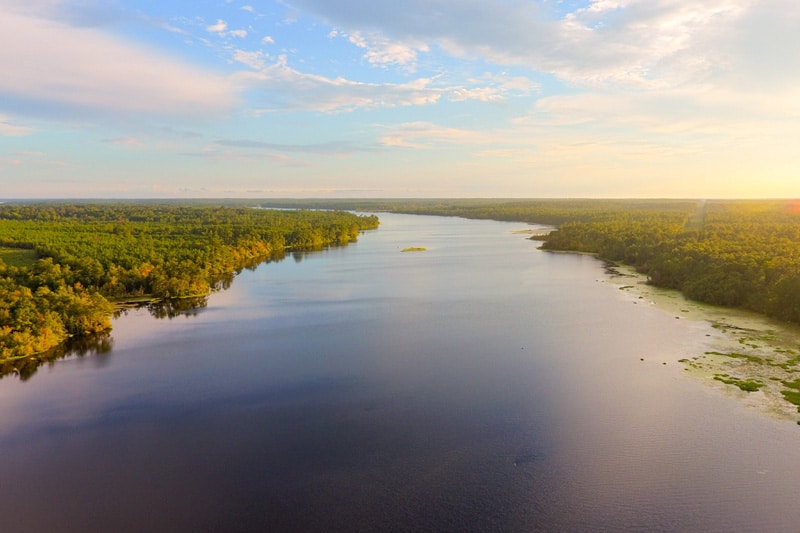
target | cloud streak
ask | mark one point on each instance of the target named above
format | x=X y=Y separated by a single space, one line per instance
x=427 y=135
x=327 y=148
x=7 y=129
x=284 y=88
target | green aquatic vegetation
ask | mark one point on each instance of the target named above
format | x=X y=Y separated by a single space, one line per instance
x=792 y=397
x=414 y=249
x=693 y=363
x=736 y=355
x=793 y=384
x=789 y=364
x=749 y=342
x=769 y=336
x=747 y=385
x=792 y=393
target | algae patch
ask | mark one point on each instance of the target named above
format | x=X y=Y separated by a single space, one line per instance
x=746 y=352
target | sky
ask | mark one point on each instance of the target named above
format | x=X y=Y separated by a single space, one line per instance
x=401 y=98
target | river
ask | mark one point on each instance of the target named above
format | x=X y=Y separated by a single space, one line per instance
x=479 y=385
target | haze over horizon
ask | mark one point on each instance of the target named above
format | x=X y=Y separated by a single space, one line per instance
x=412 y=98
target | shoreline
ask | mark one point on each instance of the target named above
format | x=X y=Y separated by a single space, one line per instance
x=742 y=350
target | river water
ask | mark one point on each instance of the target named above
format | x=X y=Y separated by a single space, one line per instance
x=480 y=385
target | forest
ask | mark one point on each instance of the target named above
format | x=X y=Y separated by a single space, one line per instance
x=64 y=267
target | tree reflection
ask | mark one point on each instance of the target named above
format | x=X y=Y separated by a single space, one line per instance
x=177 y=307
x=24 y=368
x=99 y=346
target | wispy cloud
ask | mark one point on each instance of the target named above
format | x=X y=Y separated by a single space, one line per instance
x=256 y=60
x=284 y=88
x=328 y=148
x=32 y=159
x=128 y=142
x=429 y=135
x=288 y=89
x=8 y=129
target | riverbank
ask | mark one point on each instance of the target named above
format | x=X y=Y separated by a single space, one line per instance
x=748 y=356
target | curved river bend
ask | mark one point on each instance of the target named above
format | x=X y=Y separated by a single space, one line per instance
x=481 y=385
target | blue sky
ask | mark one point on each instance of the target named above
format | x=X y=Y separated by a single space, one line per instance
x=409 y=98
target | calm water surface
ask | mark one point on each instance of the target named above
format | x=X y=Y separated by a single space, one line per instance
x=482 y=385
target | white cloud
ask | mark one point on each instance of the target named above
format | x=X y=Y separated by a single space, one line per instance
x=53 y=69
x=382 y=51
x=255 y=60
x=611 y=44
x=268 y=40
x=220 y=27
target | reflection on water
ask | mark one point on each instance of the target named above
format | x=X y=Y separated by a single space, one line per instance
x=482 y=385
x=98 y=345
x=25 y=368
x=178 y=306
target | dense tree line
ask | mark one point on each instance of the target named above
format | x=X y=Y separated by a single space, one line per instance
x=539 y=211
x=733 y=253
x=88 y=255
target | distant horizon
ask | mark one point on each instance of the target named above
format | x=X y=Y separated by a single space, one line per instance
x=406 y=99
x=386 y=198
